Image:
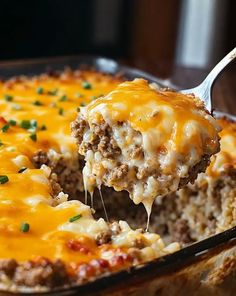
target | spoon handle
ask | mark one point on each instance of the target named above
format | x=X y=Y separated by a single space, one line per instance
x=203 y=91
x=211 y=77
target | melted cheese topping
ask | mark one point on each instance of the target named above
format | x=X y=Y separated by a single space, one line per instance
x=55 y=108
x=226 y=158
x=173 y=131
x=52 y=103
x=164 y=117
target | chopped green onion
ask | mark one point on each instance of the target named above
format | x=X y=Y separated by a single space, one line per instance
x=78 y=109
x=12 y=122
x=22 y=170
x=82 y=104
x=63 y=98
x=25 y=227
x=74 y=218
x=93 y=97
x=3 y=179
x=33 y=137
x=5 y=128
x=29 y=124
x=86 y=85
x=43 y=127
x=34 y=123
x=61 y=111
x=1 y=143
x=25 y=124
x=53 y=92
x=37 y=103
x=39 y=90
x=8 y=98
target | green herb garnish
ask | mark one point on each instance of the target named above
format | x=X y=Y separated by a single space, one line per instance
x=3 y=179
x=1 y=143
x=82 y=104
x=5 y=128
x=63 y=98
x=29 y=124
x=33 y=137
x=86 y=85
x=25 y=227
x=8 y=98
x=43 y=127
x=12 y=122
x=25 y=124
x=74 y=218
x=39 y=90
x=37 y=103
x=61 y=111
x=33 y=123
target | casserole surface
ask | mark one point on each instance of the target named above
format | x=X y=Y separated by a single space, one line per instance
x=156 y=267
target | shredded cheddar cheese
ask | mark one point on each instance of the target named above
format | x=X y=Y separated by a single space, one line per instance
x=31 y=120
x=146 y=109
x=156 y=140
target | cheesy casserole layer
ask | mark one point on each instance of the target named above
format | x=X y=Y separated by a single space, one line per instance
x=206 y=207
x=147 y=141
x=47 y=241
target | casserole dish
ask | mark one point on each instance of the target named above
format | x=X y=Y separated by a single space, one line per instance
x=210 y=261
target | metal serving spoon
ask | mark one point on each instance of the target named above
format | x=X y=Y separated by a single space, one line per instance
x=204 y=90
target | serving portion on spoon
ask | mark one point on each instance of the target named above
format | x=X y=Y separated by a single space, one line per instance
x=146 y=140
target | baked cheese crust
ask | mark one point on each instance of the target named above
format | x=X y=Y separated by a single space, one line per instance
x=145 y=140
x=207 y=206
x=47 y=241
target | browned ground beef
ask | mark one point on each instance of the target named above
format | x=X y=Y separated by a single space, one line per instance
x=43 y=273
x=63 y=177
x=8 y=267
x=194 y=171
x=180 y=231
x=31 y=274
x=39 y=158
x=55 y=274
x=101 y=141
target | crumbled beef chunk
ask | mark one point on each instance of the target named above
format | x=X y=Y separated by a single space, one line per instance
x=104 y=237
x=78 y=126
x=39 y=158
x=180 y=231
x=118 y=173
x=101 y=141
x=43 y=273
x=137 y=153
x=56 y=188
x=8 y=266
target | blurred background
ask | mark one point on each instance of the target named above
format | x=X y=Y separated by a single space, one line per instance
x=180 y=39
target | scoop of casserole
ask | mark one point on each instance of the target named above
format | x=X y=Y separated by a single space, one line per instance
x=145 y=140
